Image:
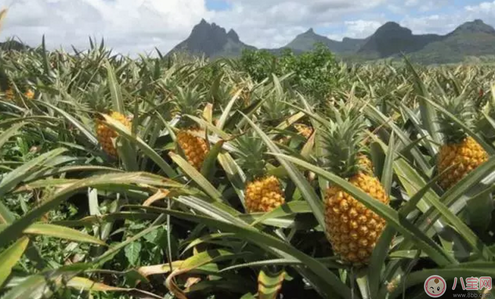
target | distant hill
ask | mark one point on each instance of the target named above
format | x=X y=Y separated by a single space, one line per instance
x=305 y=42
x=471 y=39
x=13 y=45
x=212 y=41
x=392 y=39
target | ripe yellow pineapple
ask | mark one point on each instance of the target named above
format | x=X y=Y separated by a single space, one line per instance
x=29 y=94
x=461 y=153
x=365 y=163
x=195 y=148
x=351 y=227
x=304 y=130
x=263 y=192
x=105 y=134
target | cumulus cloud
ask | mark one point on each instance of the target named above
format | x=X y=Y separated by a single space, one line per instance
x=443 y=23
x=361 y=28
x=484 y=8
x=132 y=26
x=127 y=25
x=274 y=23
x=139 y=25
x=440 y=24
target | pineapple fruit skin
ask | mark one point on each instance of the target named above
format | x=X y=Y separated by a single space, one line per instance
x=463 y=157
x=105 y=134
x=351 y=228
x=195 y=148
x=365 y=163
x=304 y=130
x=9 y=94
x=263 y=194
x=29 y=94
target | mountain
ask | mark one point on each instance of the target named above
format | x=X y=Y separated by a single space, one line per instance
x=392 y=39
x=305 y=42
x=212 y=41
x=470 y=39
x=13 y=45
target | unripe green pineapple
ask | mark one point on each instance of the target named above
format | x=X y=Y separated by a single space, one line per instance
x=351 y=227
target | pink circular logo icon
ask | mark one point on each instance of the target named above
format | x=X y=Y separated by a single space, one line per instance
x=435 y=286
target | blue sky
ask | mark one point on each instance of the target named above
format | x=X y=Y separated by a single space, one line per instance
x=137 y=26
x=217 y=5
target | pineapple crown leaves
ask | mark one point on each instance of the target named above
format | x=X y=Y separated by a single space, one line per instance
x=188 y=100
x=274 y=106
x=95 y=96
x=463 y=110
x=343 y=139
x=251 y=153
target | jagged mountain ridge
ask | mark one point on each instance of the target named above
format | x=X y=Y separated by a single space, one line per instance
x=13 y=45
x=212 y=41
x=471 y=39
x=305 y=41
x=390 y=40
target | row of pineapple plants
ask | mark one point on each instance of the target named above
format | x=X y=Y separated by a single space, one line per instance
x=271 y=186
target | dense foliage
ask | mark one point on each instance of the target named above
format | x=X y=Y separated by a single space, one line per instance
x=314 y=73
x=169 y=214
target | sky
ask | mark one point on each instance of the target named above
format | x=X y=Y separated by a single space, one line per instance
x=138 y=26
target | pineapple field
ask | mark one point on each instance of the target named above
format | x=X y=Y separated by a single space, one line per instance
x=290 y=176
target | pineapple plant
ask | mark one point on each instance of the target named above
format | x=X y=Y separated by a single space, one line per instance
x=6 y=86
x=245 y=94
x=365 y=163
x=460 y=154
x=263 y=192
x=9 y=94
x=195 y=148
x=29 y=94
x=304 y=130
x=351 y=228
x=189 y=135
x=105 y=134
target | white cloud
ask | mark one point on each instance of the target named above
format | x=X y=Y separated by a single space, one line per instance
x=358 y=29
x=485 y=8
x=274 y=23
x=141 y=25
x=361 y=28
x=412 y=2
x=422 y=6
x=138 y=25
x=440 y=24
x=127 y=25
